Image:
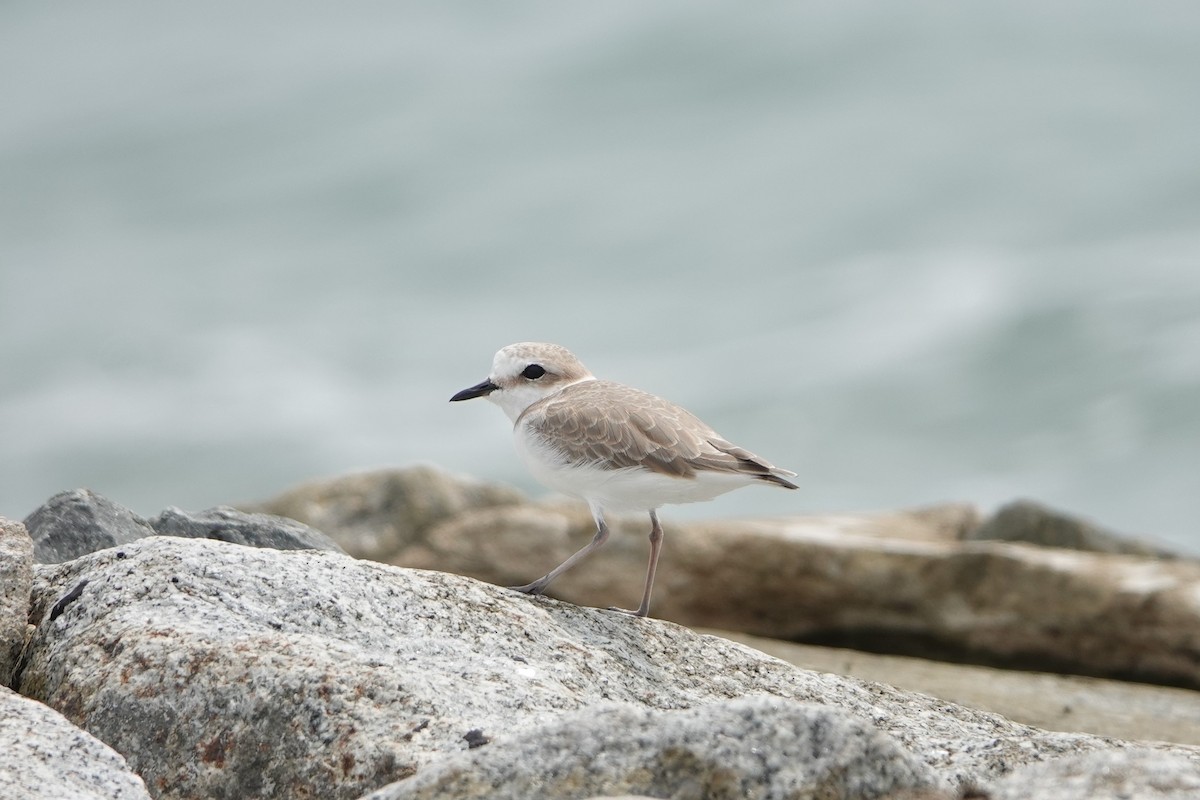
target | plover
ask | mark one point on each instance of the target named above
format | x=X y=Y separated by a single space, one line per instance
x=618 y=448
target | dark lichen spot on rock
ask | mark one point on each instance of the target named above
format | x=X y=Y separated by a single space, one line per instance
x=66 y=600
x=475 y=738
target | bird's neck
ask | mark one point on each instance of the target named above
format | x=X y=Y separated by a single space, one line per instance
x=515 y=402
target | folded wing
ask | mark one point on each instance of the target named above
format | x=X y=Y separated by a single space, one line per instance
x=614 y=426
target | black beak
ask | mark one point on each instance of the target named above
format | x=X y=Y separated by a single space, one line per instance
x=478 y=390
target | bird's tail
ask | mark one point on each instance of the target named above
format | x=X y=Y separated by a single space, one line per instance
x=775 y=476
x=752 y=465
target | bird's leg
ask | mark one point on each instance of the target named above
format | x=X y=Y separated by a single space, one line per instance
x=656 y=537
x=539 y=586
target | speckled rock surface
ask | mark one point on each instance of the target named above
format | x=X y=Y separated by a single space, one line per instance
x=16 y=582
x=262 y=673
x=1127 y=775
x=746 y=749
x=45 y=757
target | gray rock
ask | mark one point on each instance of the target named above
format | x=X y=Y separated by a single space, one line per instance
x=227 y=524
x=72 y=524
x=16 y=581
x=376 y=514
x=45 y=757
x=751 y=749
x=1032 y=522
x=258 y=673
x=899 y=582
x=1128 y=775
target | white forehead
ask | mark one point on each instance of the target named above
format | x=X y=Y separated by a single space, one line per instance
x=514 y=358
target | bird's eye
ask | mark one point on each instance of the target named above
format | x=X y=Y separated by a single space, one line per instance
x=533 y=372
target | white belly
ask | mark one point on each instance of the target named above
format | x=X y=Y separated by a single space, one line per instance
x=631 y=489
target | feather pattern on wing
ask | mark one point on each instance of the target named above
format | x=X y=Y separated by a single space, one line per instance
x=610 y=425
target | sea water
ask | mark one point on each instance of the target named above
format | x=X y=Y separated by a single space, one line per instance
x=916 y=253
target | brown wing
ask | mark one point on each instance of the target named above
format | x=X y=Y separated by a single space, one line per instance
x=617 y=426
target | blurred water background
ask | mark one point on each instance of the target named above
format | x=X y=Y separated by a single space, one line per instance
x=915 y=252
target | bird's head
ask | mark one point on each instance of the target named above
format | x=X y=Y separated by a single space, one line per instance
x=524 y=373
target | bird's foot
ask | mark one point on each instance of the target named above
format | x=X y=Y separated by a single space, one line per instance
x=535 y=588
x=640 y=612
